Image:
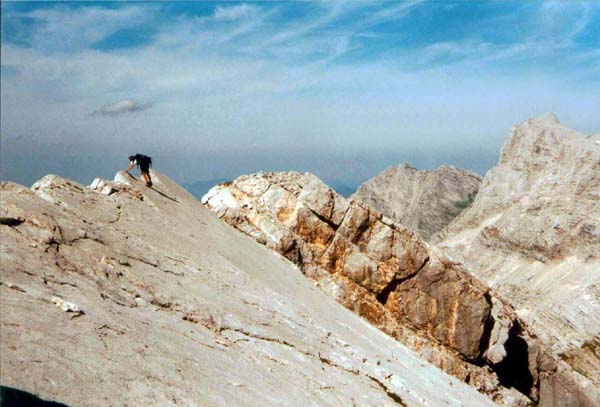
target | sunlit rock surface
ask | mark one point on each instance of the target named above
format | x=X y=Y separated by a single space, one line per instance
x=533 y=234
x=123 y=295
x=424 y=201
x=387 y=274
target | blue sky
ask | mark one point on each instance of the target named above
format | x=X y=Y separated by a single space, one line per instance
x=340 y=88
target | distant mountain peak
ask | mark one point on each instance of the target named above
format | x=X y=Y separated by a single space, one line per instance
x=425 y=201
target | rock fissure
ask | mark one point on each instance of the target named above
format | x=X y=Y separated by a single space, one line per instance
x=260 y=337
x=324 y=219
x=436 y=307
x=488 y=327
x=391 y=394
x=147 y=262
x=12 y=222
x=513 y=370
x=384 y=294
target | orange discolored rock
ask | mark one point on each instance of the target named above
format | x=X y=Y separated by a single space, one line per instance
x=389 y=276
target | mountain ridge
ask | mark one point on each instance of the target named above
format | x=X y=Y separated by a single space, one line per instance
x=385 y=273
x=125 y=295
x=425 y=201
x=532 y=233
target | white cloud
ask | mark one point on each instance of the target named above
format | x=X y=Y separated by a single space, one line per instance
x=249 y=84
x=67 y=30
x=237 y=12
x=121 y=107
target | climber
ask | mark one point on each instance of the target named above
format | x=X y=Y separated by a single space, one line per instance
x=144 y=162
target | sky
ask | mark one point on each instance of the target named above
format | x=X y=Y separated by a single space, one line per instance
x=343 y=89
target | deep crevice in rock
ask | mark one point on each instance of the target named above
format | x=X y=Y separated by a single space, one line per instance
x=383 y=295
x=513 y=371
x=488 y=326
x=11 y=221
x=325 y=220
x=294 y=254
x=360 y=230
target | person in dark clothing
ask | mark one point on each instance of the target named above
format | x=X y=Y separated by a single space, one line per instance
x=144 y=162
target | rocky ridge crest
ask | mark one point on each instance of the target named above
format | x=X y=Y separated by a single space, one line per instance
x=386 y=274
x=124 y=295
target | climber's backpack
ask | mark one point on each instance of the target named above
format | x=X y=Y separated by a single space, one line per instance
x=142 y=159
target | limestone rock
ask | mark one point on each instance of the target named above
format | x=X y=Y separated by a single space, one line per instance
x=533 y=234
x=67 y=306
x=423 y=201
x=386 y=274
x=180 y=310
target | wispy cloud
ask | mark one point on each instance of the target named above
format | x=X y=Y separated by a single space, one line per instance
x=121 y=107
x=230 y=13
x=315 y=75
x=68 y=30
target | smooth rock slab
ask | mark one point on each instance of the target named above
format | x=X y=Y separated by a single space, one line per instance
x=180 y=309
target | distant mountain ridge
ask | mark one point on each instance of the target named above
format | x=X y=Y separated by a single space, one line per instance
x=424 y=201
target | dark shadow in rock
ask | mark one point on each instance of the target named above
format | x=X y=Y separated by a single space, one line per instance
x=10 y=397
x=513 y=371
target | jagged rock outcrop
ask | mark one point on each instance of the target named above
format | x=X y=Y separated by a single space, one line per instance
x=533 y=233
x=126 y=295
x=385 y=273
x=423 y=201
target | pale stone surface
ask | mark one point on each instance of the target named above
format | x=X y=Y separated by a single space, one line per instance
x=533 y=233
x=180 y=310
x=67 y=306
x=386 y=274
x=423 y=201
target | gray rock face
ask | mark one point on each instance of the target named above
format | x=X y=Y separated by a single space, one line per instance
x=533 y=233
x=124 y=295
x=386 y=274
x=423 y=201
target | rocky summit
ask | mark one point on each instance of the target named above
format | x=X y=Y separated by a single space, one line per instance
x=385 y=273
x=122 y=295
x=533 y=233
x=423 y=201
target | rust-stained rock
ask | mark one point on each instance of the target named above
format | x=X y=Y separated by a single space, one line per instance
x=388 y=275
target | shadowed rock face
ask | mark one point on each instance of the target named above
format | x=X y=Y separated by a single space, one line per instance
x=385 y=273
x=533 y=234
x=10 y=397
x=125 y=295
x=423 y=201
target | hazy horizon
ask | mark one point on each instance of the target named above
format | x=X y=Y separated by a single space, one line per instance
x=342 y=89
